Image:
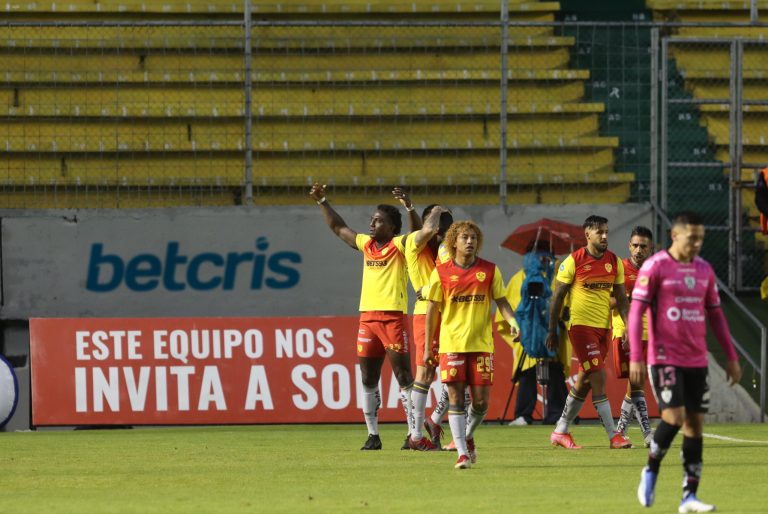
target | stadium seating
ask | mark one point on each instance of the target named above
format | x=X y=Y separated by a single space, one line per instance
x=705 y=72
x=113 y=109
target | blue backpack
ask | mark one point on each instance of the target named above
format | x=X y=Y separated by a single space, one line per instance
x=532 y=312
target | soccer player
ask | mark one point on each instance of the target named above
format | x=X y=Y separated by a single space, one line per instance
x=460 y=290
x=591 y=274
x=640 y=248
x=383 y=304
x=421 y=252
x=682 y=289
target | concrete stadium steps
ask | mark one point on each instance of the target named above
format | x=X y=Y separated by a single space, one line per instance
x=355 y=169
x=21 y=135
x=111 y=198
x=285 y=8
x=273 y=38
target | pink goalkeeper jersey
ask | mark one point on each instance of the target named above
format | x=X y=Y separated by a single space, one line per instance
x=679 y=295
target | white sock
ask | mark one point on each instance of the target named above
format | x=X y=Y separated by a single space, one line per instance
x=573 y=405
x=603 y=409
x=473 y=421
x=371 y=404
x=625 y=417
x=457 y=420
x=442 y=406
x=641 y=411
x=405 y=399
x=419 y=397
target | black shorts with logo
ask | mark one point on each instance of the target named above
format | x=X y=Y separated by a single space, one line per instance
x=674 y=386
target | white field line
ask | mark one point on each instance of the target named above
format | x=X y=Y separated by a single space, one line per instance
x=733 y=439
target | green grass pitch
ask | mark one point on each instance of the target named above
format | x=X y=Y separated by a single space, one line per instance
x=321 y=469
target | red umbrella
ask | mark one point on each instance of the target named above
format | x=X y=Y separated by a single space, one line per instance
x=563 y=237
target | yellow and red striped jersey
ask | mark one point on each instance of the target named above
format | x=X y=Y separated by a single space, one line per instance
x=465 y=296
x=385 y=281
x=592 y=282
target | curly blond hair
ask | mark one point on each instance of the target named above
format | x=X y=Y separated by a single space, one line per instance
x=453 y=233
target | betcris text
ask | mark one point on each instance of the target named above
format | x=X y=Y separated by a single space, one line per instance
x=175 y=270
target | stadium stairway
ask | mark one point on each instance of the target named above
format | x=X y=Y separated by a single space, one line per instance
x=702 y=72
x=141 y=116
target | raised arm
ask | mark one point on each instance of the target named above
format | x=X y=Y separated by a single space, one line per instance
x=431 y=226
x=561 y=291
x=332 y=218
x=414 y=220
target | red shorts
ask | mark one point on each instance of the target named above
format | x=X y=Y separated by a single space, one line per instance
x=621 y=358
x=380 y=331
x=590 y=346
x=474 y=368
x=420 y=335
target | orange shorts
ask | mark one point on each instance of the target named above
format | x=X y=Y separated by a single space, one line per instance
x=621 y=358
x=420 y=335
x=380 y=331
x=590 y=346
x=474 y=368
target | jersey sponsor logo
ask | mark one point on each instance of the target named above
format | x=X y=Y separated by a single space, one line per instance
x=455 y=363
x=480 y=276
x=608 y=267
x=597 y=285
x=687 y=299
x=673 y=314
x=643 y=281
x=467 y=298
x=690 y=282
x=376 y=264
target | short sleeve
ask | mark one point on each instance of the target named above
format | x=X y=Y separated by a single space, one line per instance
x=497 y=286
x=399 y=243
x=434 y=290
x=567 y=270
x=647 y=282
x=360 y=241
x=619 y=272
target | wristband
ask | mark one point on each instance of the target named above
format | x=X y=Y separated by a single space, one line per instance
x=322 y=201
x=411 y=209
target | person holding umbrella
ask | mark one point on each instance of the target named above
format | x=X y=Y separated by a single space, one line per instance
x=529 y=365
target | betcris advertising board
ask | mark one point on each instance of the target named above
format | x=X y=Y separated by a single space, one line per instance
x=214 y=262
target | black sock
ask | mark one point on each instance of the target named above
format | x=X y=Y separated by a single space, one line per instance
x=662 y=440
x=693 y=448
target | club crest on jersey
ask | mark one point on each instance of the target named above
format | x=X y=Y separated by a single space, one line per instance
x=608 y=267
x=480 y=276
x=453 y=372
x=690 y=282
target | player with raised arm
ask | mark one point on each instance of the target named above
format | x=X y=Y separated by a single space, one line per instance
x=591 y=274
x=421 y=252
x=634 y=404
x=678 y=290
x=383 y=304
x=460 y=291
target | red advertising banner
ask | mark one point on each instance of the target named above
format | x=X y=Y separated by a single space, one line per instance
x=155 y=371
